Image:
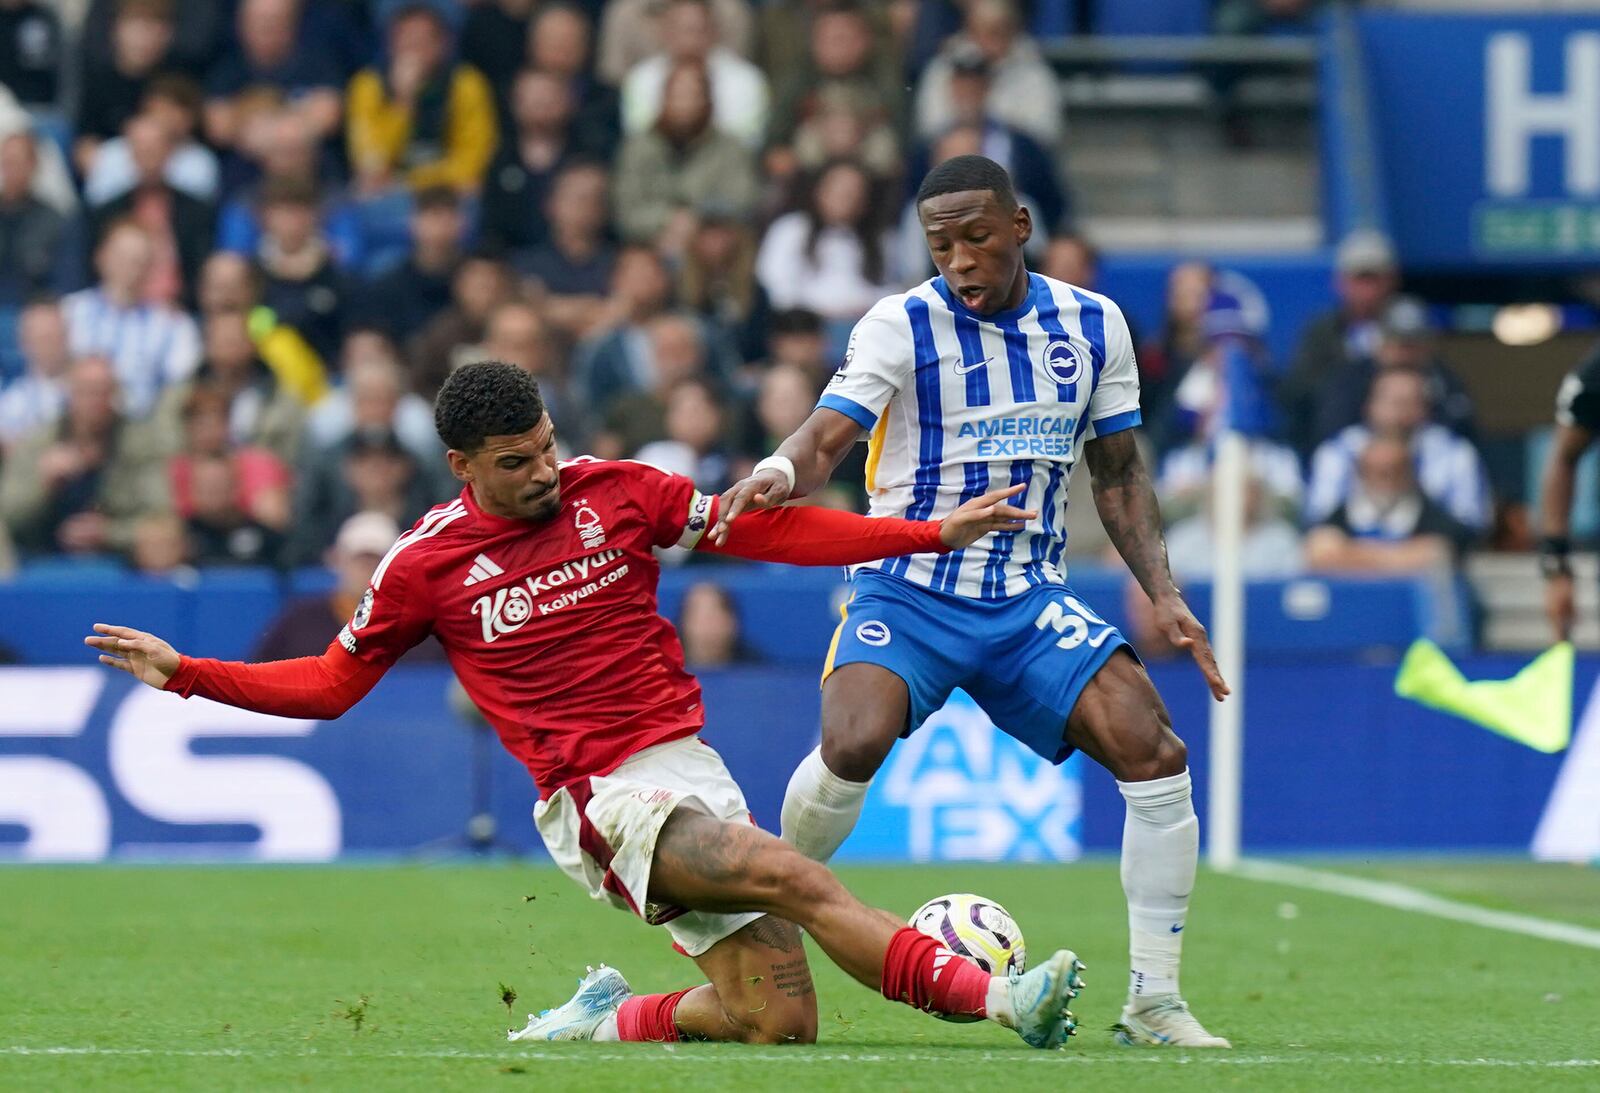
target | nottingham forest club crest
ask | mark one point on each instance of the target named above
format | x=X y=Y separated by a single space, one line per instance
x=1061 y=360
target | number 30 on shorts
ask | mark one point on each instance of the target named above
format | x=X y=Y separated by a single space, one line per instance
x=1069 y=617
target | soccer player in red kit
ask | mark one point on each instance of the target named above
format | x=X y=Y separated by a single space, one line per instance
x=540 y=583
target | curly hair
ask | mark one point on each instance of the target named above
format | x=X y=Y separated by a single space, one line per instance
x=484 y=399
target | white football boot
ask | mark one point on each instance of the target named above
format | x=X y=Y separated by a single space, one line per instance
x=1163 y=1020
x=1039 y=1000
x=599 y=995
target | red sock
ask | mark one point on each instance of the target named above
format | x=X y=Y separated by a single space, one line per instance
x=920 y=972
x=647 y=1018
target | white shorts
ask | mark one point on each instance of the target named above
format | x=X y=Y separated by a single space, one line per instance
x=602 y=833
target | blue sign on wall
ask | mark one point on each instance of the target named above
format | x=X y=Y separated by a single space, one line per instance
x=1488 y=136
x=957 y=790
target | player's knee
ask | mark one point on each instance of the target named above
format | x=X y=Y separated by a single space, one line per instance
x=854 y=745
x=1157 y=753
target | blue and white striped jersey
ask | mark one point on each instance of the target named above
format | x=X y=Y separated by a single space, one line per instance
x=958 y=403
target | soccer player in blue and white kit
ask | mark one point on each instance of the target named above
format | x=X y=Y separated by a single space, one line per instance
x=988 y=375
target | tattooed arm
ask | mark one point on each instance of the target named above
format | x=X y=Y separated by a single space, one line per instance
x=1126 y=501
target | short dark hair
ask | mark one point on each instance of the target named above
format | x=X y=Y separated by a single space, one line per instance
x=484 y=399
x=436 y=197
x=959 y=174
x=287 y=190
x=794 y=320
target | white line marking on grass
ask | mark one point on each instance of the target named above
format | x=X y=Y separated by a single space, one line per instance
x=698 y=1054
x=1405 y=898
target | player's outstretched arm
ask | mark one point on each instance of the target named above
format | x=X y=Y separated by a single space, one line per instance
x=314 y=687
x=818 y=536
x=1126 y=501
x=814 y=450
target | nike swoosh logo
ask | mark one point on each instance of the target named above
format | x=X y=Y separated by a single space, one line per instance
x=963 y=369
x=1177 y=929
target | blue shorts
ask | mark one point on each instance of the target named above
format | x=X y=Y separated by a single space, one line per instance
x=1024 y=660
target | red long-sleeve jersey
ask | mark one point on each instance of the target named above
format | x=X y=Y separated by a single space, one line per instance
x=551 y=626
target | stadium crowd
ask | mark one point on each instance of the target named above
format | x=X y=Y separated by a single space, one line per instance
x=242 y=245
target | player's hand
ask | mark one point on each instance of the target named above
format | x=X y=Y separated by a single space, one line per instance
x=1177 y=624
x=143 y=656
x=978 y=517
x=766 y=490
x=1560 y=604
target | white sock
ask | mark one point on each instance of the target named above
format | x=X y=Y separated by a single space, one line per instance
x=607 y=1030
x=820 y=808
x=1160 y=845
x=997 y=1003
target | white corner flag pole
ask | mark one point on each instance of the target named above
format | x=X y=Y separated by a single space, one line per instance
x=1225 y=784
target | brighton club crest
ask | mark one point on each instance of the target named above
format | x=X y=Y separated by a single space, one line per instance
x=1061 y=360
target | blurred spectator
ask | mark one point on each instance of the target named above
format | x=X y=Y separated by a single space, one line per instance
x=197 y=27
x=307 y=625
x=227 y=284
x=575 y=266
x=35 y=399
x=300 y=281
x=541 y=141
x=786 y=397
x=695 y=444
x=374 y=398
x=717 y=280
x=1166 y=359
x=689 y=34
x=454 y=335
x=261 y=412
x=618 y=360
x=1184 y=481
x=274 y=67
x=36 y=241
x=52 y=177
x=830 y=256
x=221 y=532
x=1030 y=162
x=841 y=124
x=422 y=119
x=1448 y=469
x=369 y=471
x=630 y=31
x=844 y=81
x=1270 y=548
x=560 y=38
x=675 y=352
x=247 y=523
x=519 y=335
x=111 y=86
x=1071 y=258
x=179 y=227
x=682 y=161
x=1231 y=379
x=1366 y=279
x=494 y=37
x=1385 y=522
x=174 y=101
x=1405 y=340
x=403 y=300
x=798 y=337
x=292 y=154
x=30 y=51
x=1022 y=90
x=160 y=545
x=79 y=486
x=150 y=345
x=708 y=625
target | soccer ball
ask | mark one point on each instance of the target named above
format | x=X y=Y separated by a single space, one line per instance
x=976 y=928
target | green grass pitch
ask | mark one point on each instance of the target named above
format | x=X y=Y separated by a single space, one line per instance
x=389 y=977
